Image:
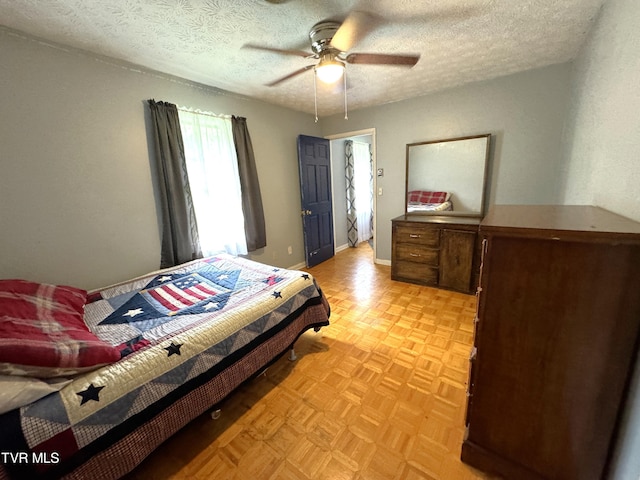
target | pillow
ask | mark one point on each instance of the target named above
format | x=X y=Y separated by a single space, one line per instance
x=425 y=196
x=43 y=334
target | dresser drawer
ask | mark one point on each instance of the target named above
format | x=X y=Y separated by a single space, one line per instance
x=418 y=234
x=418 y=272
x=416 y=253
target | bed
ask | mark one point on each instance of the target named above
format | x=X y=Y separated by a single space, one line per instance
x=428 y=201
x=166 y=348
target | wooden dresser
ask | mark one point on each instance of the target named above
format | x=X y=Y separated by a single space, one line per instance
x=439 y=251
x=557 y=331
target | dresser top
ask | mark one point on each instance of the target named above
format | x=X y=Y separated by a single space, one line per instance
x=441 y=219
x=553 y=219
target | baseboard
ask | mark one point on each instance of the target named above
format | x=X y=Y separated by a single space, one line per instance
x=297 y=266
x=342 y=247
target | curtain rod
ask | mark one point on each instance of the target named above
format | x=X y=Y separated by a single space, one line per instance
x=200 y=112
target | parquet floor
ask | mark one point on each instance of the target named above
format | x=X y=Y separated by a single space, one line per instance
x=377 y=395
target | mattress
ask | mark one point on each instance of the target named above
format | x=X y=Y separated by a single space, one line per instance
x=429 y=207
x=189 y=336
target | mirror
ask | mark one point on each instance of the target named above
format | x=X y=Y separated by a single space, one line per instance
x=447 y=177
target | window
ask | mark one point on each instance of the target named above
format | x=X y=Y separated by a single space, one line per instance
x=212 y=168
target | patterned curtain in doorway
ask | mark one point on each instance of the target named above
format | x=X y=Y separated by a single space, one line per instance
x=352 y=220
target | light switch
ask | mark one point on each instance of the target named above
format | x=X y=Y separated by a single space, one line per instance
x=379 y=191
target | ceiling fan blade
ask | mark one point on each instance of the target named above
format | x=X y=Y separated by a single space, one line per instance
x=383 y=59
x=354 y=28
x=291 y=75
x=297 y=53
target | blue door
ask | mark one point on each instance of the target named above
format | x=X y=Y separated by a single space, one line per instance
x=315 y=187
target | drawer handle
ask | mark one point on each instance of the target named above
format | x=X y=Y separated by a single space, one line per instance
x=414 y=254
x=414 y=235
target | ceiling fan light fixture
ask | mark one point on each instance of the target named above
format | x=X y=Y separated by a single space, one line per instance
x=329 y=71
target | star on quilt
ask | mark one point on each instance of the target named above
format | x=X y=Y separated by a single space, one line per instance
x=173 y=348
x=133 y=313
x=305 y=276
x=277 y=294
x=164 y=278
x=223 y=277
x=211 y=305
x=91 y=393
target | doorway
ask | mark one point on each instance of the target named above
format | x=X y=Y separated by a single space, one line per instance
x=339 y=186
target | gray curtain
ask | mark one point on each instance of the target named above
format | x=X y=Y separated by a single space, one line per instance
x=352 y=219
x=254 y=226
x=180 y=242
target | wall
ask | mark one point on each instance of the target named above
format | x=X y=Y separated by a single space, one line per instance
x=602 y=149
x=339 y=185
x=525 y=113
x=77 y=203
x=75 y=156
x=603 y=131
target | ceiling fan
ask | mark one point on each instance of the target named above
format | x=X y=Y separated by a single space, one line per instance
x=330 y=42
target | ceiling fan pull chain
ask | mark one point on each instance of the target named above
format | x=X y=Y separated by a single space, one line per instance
x=315 y=94
x=346 y=117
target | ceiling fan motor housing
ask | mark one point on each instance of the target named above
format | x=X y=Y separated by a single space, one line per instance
x=321 y=34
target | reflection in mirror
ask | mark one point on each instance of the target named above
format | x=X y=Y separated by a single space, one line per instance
x=447 y=177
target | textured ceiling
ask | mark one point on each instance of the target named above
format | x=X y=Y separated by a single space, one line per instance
x=460 y=41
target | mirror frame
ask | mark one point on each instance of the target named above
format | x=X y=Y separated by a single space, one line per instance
x=484 y=178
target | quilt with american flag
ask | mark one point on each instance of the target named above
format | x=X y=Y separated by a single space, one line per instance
x=188 y=336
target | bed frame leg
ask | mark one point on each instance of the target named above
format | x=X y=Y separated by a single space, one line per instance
x=292 y=355
x=215 y=414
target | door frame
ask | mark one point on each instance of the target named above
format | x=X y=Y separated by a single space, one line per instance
x=357 y=133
